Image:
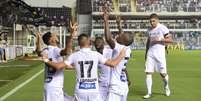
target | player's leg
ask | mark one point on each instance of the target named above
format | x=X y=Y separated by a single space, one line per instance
x=148 y=84
x=163 y=72
x=165 y=78
x=1 y=54
x=5 y=57
x=149 y=69
x=114 y=97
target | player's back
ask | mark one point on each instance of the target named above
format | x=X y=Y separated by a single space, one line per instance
x=86 y=65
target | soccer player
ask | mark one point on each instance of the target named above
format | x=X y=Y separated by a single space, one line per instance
x=86 y=64
x=118 y=85
x=54 y=79
x=155 y=53
x=104 y=70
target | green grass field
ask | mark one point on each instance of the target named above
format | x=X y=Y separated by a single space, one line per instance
x=184 y=70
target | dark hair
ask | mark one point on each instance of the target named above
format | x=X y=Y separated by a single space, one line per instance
x=81 y=38
x=153 y=15
x=99 y=38
x=46 y=38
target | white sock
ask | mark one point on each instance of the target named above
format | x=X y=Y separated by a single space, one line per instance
x=165 y=80
x=149 y=83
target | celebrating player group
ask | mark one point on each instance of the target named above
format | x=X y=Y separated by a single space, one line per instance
x=101 y=75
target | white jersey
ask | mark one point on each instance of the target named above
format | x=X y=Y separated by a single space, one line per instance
x=157 y=32
x=53 y=77
x=119 y=84
x=86 y=65
x=104 y=70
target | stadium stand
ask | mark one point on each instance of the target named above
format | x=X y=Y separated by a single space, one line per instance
x=180 y=16
x=21 y=21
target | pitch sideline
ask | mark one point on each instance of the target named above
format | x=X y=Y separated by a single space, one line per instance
x=20 y=86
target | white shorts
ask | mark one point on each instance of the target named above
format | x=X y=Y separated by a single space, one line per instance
x=114 y=97
x=67 y=97
x=87 y=97
x=104 y=91
x=124 y=98
x=53 y=94
x=156 y=63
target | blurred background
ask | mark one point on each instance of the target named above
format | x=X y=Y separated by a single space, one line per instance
x=21 y=19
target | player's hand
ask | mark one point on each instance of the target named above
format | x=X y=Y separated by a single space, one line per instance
x=156 y=40
x=105 y=14
x=38 y=35
x=118 y=19
x=73 y=28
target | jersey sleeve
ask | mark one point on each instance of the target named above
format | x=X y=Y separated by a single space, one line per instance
x=117 y=46
x=109 y=53
x=165 y=30
x=57 y=51
x=44 y=52
x=70 y=60
x=101 y=58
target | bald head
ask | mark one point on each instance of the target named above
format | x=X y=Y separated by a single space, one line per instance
x=125 y=38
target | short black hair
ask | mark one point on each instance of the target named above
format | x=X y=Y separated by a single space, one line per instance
x=46 y=38
x=153 y=15
x=99 y=38
x=81 y=38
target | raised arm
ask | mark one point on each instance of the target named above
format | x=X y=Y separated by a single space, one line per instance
x=68 y=49
x=38 y=44
x=118 y=21
x=108 y=35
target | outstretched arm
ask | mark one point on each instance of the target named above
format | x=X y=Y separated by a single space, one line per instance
x=58 y=66
x=108 y=35
x=38 y=44
x=73 y=29
x=114 y=62
x=118 y=21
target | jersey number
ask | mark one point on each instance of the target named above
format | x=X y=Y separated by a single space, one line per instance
x=82 y=65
